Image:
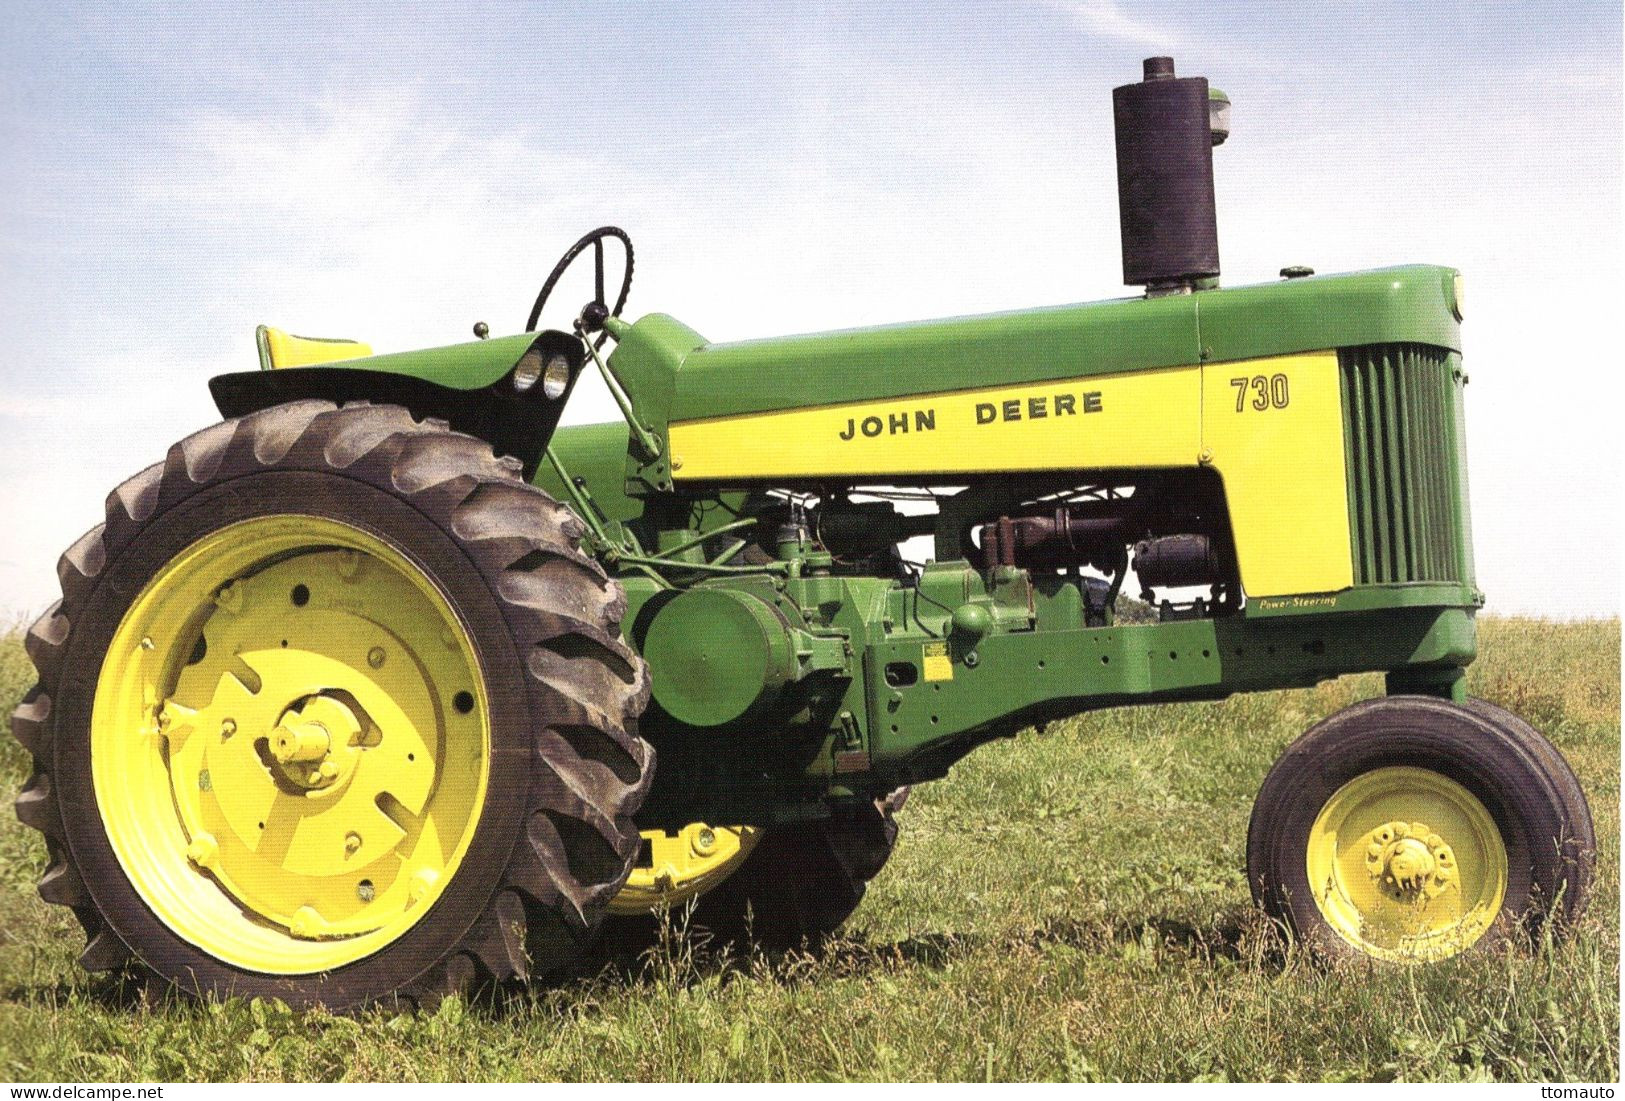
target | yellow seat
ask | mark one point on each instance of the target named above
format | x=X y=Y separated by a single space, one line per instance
x=280 y=349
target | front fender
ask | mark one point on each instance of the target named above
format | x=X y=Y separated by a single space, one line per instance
x=470 y=386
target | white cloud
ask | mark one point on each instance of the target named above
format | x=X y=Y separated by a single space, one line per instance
x=1107 y=19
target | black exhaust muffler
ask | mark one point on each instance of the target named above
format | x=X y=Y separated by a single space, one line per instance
x=1165 y=180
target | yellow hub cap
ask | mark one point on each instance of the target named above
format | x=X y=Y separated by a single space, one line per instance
x=675 y=867
x=1407 y=865
x=290 y=744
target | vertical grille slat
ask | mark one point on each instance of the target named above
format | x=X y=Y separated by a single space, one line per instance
x=1360 y=488
x=1377 y=459
x=1422 y=386
x=1405 y=469
x=1438 y=489
x=1393 y=467
x=1409 y=464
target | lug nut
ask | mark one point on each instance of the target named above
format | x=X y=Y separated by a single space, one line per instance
x=375 y=657
x=705 y=841
x=306 y=923
x=204 y=851
x=230 y=599
x=422 y=883
x=228 y=727
x=329 y=769
x=352 y=842
x=364 y=890
x=349 y=564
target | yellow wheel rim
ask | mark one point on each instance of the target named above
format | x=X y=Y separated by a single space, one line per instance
x=290 y=744
x=1407 y=865
x=675 y=867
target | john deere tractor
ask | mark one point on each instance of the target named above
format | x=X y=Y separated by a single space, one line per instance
x=386 y=686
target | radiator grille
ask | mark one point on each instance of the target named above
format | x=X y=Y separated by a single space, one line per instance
x=1406 y=474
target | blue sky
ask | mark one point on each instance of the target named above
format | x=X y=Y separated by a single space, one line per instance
x=174 y=175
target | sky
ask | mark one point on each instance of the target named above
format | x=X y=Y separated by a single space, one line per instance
x=175 y=174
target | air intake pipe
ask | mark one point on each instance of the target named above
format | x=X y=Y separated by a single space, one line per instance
x=1167 y=127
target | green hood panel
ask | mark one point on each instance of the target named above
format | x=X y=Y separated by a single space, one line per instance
x=927 y=357
x=1408 y=305
x=1405 y=305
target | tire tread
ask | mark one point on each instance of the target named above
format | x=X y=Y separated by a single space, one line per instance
x=510 y=530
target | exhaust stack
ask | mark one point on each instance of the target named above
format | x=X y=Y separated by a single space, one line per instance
x=1166 y=131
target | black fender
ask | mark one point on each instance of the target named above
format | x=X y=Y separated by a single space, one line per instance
x=513 y=422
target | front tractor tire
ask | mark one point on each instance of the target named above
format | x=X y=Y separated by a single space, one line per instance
x=1410 y=829
x=333 y=709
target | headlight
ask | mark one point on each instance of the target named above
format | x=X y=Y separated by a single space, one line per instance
x=555 y=378
x=553 y=373
x=1218 y=115
x=527 y=370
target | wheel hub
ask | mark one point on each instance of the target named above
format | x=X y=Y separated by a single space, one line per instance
x=316 y=742
x=1409 y=861
x=1407 y=865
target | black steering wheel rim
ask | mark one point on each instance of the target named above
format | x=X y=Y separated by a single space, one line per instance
x=595 y=238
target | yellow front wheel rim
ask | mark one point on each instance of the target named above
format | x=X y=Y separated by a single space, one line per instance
x=290 y=744
x=675 y=867
x=1407 y=865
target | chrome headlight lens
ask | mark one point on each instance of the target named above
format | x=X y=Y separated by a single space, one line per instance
x=527 y=370
x=555 y=378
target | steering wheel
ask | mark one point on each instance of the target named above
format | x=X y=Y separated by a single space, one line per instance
x=593 y=318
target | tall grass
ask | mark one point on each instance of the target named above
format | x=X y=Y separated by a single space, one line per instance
x=1069 y=905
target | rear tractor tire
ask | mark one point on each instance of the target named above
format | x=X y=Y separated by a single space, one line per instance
x=1410 y=829
x=332 y=709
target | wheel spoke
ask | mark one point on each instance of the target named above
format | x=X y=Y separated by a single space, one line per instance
x=230 y=779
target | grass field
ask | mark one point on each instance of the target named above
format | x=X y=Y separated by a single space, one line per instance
x=1070 y=905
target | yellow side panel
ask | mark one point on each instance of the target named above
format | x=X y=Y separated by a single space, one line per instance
x=1150 y=418
x=280 y=349
x=1274 y=430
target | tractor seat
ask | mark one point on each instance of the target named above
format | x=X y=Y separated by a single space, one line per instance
x=280 y=349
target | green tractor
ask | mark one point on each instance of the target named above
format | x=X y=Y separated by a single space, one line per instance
x=359 y=694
